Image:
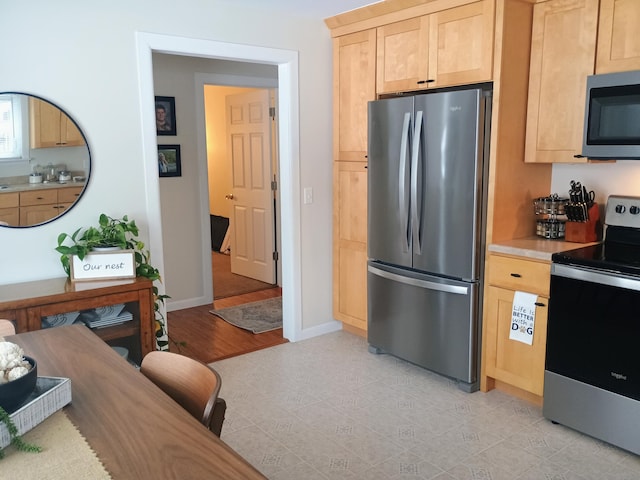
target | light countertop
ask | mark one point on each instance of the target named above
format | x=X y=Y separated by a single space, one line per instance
x=26 y=187
x=536 y=248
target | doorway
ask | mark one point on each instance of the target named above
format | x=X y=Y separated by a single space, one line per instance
x=287 y=64
x=228 y=187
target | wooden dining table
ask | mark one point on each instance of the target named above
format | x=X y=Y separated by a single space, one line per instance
x=136 y=430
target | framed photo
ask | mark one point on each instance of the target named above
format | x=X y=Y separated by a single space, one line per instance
x=166 y=115
x=169 y=164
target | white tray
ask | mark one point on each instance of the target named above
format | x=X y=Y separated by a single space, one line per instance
x=49 y=396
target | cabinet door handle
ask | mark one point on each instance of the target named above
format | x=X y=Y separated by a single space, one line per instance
x=516 y=275
x=538 y=304
x=420 y=82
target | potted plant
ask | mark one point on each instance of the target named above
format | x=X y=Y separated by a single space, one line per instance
x=120 y=233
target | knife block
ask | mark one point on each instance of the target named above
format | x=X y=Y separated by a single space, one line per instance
x=584 y=232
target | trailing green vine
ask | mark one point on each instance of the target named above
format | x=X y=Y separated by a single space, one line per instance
x=120 y=232
x=16 y=440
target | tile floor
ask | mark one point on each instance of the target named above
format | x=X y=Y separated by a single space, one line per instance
x=325 y=408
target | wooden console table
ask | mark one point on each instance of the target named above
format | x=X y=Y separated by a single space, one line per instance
x=27 y=303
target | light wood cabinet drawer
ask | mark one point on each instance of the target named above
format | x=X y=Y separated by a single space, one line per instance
x=41 y=197
x=69 y=195
x=516 y=274
x=9 y=200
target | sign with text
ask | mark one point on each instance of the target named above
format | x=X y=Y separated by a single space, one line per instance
x=523 y=317
x=104 y=265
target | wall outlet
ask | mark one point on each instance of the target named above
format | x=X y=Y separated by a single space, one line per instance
x=308 y=195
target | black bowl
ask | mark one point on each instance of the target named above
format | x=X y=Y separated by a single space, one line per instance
x=15 y=392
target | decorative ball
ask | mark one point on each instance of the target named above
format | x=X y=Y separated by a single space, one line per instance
x=15 y=392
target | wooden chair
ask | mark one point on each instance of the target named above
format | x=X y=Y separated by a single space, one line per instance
x=7 y=328
x=192 y=384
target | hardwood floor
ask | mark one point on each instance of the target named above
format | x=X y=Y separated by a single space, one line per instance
x=228 y=284
x=209 y=338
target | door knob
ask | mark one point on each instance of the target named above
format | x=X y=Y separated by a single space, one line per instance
x=229 y=196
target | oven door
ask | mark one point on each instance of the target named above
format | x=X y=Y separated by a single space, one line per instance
x=594 y=328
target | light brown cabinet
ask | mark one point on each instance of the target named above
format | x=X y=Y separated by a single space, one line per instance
x=50 y=127
x=354 y=87
x=513 y=363
x=461 y=44
x=350 y=244
x=9 y=208
x=354 y=62
x=38 y=206
x=403 y=56
x=618 y=39
x=562 y=56
x=451 y=47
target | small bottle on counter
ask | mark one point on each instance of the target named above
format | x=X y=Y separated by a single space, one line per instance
x=51 y=173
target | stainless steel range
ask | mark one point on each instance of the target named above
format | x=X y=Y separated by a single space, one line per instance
x=592 y=373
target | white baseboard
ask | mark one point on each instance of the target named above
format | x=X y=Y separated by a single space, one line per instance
x=304 y=334
x=318 y=330
x=188 y=303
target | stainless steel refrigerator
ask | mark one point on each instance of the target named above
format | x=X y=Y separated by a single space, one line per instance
x=427 y=164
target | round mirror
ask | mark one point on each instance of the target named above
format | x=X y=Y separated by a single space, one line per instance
x=45 y=161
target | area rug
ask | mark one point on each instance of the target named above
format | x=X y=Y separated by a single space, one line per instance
x=257 y=317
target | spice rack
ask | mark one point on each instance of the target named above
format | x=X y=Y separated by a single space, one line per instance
x=548 y=225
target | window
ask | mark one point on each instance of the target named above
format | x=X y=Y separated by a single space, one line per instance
x=14 y=130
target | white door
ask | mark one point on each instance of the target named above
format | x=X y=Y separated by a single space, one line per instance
x=251 y=221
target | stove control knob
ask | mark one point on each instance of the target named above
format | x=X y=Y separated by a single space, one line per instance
x=620 y=208
x=635 y=210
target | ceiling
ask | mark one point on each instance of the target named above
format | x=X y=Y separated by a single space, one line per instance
x=307 y=8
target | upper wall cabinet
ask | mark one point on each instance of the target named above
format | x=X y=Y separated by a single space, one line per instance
x=563 y=49
x=50 y=127
x=403 y=55
x=354 y=58
x=451 y=47
x=618 y=38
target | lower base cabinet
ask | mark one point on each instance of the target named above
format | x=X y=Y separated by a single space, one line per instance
x=510 y=364
x=28 y=208
x=350 y=245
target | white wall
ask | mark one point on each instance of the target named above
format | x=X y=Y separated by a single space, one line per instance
x=617 y=178
x=82 y=55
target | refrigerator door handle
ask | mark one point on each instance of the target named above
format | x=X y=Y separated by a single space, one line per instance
x=402 y=187
x=416 y=282
x=416 y=211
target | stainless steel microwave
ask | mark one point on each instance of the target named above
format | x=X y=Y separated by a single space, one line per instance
x=612 y=117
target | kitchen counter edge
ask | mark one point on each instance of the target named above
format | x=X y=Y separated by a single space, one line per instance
x=26 y=187
x=535 y=248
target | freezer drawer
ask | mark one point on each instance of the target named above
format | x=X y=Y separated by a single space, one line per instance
x=426 y=320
